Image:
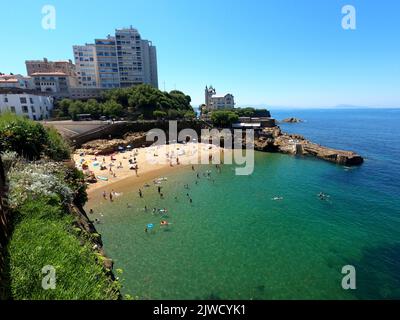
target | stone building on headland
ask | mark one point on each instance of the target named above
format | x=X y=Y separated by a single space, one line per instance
x=214 y=102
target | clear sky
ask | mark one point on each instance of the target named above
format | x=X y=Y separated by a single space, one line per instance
x=291 y=53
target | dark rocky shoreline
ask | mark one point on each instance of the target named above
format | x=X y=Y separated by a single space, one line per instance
x=274 y=140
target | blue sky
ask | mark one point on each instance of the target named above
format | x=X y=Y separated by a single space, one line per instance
x=290 y=53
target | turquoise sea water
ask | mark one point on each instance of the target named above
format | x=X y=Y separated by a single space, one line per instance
x=235 y=242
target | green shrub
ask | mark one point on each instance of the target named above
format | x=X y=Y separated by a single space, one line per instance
x=158 y=114
x=76 y=182
x=23 y=136
x=56 y=147
x=30 y=139
x=33 y=180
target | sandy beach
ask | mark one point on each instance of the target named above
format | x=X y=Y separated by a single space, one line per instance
x=133 y=168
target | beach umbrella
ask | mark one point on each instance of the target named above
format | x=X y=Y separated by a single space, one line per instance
x=120 y=148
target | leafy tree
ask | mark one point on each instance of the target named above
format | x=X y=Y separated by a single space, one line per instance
x=75 y=108
x=190 y=115
x=112 y=108
x=223 y=118
x=159 y=114
x=173 y=114
x=138 y=100
x=63 y=107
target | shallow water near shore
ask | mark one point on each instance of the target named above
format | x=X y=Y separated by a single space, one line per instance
x=235 y=242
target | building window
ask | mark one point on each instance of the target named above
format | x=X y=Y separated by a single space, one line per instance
x=33 y=109
x=22 y=100
x=5 y=99
x=12 y=109
x=24 y=109
x=31 y=100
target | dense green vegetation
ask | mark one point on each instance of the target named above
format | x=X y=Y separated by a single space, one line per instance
x=224 y=118
x=44 y=235
x=30 y=139
x=251 y=112
x=142 y=101
x=46 y=231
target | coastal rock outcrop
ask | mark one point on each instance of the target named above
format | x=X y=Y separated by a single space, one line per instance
x=292 y=120
x=273 y=139
x=105 y=147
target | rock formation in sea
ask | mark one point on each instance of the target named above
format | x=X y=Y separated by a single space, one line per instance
x=291 y=120
x=273 y=139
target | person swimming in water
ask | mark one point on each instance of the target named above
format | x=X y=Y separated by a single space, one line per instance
x=140 y=193
x=323 y=196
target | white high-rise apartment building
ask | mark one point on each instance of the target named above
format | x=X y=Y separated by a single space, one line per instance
x=130 y=57
x=107 y=63
x=86 y=66
x=118 y=61
x=150 y=63
x=137 y=58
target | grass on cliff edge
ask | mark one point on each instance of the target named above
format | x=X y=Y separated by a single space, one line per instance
x=44 y=235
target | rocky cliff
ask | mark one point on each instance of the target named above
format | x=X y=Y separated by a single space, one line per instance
x=105 y=147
